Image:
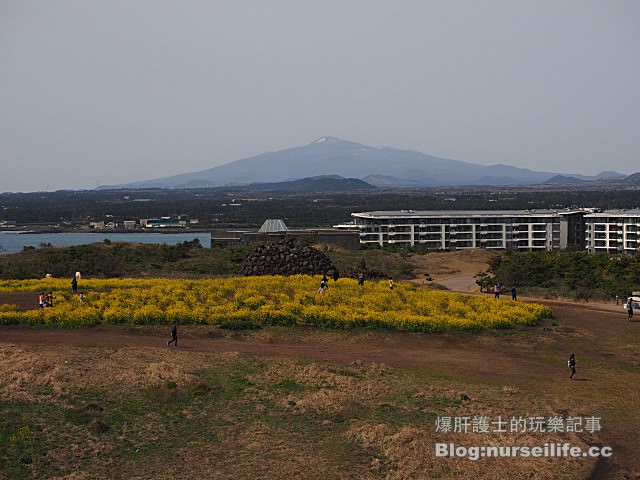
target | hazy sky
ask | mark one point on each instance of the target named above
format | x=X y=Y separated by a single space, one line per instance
x=115 y=91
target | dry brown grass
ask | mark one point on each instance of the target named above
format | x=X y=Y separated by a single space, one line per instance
x=441 y=265
x=22 y=371
x=406 y=452
x=330 y=391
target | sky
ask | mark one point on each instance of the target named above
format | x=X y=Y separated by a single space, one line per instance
x=115 y=91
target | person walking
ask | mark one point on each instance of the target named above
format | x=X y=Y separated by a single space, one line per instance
x=496 y=290
x=174 y=335
x=514 y=293
x=74 y=285
x=41 y=300
x=572 y=365
x=630 y=309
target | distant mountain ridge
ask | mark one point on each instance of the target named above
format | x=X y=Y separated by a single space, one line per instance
x=633 y=179
x=564 y=179
x=321 y=183
x=380 y=166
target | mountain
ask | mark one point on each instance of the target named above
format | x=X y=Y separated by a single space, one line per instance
x=559 y=179
x=321 y=183
x=331 y=155
x=386 y=181
x=633 y=179
x=607 y=175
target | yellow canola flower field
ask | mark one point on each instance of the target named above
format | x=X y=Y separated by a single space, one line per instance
x=273 y=300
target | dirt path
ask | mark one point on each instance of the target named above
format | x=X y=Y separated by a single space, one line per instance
x=602 y=330
x=464 y=283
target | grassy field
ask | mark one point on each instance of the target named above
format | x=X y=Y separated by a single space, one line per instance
x=153 y=413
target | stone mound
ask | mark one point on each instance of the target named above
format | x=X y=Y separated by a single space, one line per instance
x=286 y=257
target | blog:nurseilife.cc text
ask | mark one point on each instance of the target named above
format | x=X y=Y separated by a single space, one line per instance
x=548 y=450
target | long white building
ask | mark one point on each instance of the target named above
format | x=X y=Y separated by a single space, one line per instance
x=613 y=231
x=526 y=230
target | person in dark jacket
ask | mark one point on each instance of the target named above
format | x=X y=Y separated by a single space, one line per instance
x=48 y=300
x=630 y=309
x=174 y=335
x=514 y=293
x=74 y=285
x=572 y=365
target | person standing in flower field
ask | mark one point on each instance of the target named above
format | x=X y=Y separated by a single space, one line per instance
x=361 y=279
x=514 y=293
x=174 y=335
x=323 y=285
x=74 y=285
x=48 y=301
x=391 y=283
x=496 y=290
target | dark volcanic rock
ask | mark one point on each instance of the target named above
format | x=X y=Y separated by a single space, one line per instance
x=286 y=257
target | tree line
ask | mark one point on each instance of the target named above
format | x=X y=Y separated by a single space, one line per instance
x=213 y=209
x=580 y=275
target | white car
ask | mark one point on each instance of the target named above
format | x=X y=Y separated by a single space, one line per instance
x=633 y=300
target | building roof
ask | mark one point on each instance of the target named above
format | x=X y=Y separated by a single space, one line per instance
x=273 y=225
x=616 y=213
x=462 y=213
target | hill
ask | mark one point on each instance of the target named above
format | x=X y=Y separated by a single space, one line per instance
x=633 y=179
x=321 y=183
x=564 y=179
x=116 y=259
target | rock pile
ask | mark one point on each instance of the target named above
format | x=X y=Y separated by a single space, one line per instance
x=286 y=257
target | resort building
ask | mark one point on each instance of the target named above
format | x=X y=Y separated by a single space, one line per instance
x=613 y=231
x=526 y=230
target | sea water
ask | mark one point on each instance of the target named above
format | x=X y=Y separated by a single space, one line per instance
x=13 y=242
